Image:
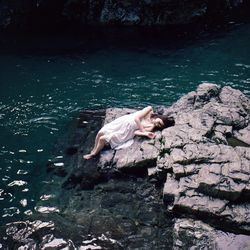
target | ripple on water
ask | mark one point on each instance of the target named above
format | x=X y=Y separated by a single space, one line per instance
x=242 y=65
x=46 y=209
x=42 y=94
x=46 y=197
x=17 y=183
x=24 y=202
x=22 y=172
x=10 y=212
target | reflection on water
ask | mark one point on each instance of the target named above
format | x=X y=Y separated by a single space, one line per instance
x=23 y=231
x=41 y=93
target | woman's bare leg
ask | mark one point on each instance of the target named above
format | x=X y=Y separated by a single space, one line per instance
x=99 y=134
x=100 y=145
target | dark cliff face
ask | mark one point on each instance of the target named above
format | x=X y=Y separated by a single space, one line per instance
x=31 y=15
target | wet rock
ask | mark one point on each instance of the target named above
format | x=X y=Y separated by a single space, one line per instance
x=118 y=214
x=195 y=234
x=71 y=150
x=83 y=174
x=56 y=168
x=24 y=233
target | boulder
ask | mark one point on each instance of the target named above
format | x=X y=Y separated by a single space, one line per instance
x=207 y=174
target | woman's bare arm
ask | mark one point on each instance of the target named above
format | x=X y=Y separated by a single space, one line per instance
x=145 y=133
x=140 y=115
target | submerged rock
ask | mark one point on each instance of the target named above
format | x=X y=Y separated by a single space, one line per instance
x=195 y=234
x=119 y=214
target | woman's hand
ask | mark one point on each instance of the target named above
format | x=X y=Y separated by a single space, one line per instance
x=150 y=135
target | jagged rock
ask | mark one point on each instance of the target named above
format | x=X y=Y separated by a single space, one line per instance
x=25 y=232
x=223 y=129
x=204 y=177
x=195 y=234
x=204 y=174
x=207 y=176
x=190 y=234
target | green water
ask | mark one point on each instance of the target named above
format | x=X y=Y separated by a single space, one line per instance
x=43 y=88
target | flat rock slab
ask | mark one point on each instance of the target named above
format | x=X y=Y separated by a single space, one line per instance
x=85 y=174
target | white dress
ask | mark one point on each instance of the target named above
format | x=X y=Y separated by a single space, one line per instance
x=120 y=132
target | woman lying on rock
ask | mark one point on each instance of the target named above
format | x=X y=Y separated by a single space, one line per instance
x=120 y=132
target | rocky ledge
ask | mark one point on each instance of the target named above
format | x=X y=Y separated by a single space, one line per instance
x=203 y=161
x=207 y=157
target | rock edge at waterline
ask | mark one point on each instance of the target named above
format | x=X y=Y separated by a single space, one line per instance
x=204 y=160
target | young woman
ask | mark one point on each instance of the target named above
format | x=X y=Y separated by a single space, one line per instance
x=124 y=128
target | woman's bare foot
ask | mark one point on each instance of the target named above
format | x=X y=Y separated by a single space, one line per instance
x=88 y=156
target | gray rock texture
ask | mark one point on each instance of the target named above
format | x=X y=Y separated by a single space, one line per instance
x=207 y=174
x=204 y=160
x=195 y=234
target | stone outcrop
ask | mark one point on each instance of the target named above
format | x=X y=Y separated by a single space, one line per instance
x=195 y=234
x=206 y=174
x=200 y=167
x=119 y=214
x=59 y=13
x=204 y=160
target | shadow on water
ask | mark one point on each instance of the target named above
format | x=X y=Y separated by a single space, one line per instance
x=90 y=39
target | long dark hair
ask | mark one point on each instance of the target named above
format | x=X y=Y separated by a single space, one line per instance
x=167 y=121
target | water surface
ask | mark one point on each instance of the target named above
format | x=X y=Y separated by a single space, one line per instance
x=43 y=86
